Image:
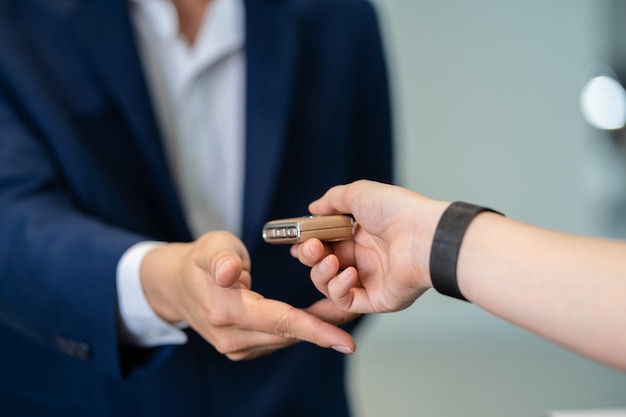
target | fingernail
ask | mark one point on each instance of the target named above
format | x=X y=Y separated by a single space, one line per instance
x=307 y=249
x=343 y=349
x=323 y=267
x=344 y=275
x=222 y=264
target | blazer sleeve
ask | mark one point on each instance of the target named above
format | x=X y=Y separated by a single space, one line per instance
x=60 y=240
x=57 y=263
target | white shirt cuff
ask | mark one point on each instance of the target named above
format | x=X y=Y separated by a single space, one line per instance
x=139 y=325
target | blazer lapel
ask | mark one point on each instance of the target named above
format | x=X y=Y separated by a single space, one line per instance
x=271 y=46
x=116 y=58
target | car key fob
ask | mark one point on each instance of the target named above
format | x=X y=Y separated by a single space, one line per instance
x=298 y=229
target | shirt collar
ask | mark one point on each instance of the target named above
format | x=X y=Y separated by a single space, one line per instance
x=160 y=14
x=221 y=33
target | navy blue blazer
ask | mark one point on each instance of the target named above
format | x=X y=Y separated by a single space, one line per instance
x=83 y=176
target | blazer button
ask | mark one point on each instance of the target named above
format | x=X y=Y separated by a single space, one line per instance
x=73 y=348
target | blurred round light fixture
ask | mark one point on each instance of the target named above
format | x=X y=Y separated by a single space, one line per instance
x=603 y=103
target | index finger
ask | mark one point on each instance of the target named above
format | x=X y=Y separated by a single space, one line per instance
x=332 y=202
x=344 y=199
x=284 y=320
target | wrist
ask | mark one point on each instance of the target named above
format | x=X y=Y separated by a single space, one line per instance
x=160 y=277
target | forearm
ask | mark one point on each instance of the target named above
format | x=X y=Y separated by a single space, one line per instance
x=565 y=288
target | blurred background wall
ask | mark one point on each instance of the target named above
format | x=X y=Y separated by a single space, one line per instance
x=487 y=110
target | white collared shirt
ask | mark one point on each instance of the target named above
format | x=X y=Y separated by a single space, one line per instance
x=198 y=94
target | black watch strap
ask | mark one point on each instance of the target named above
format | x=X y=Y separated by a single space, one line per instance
x=447 y=243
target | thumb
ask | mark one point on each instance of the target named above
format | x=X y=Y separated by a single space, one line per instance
x=227 y=269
